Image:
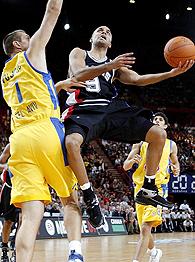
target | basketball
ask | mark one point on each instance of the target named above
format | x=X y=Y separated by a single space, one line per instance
x=178 y=49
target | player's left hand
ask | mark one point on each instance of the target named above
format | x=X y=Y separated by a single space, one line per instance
x=182 y=68
x=175 y=170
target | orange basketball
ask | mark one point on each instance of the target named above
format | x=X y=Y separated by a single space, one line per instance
x=178 y=49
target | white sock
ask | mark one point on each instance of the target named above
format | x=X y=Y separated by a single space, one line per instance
x=152 y=251
x=86 y=186
x=151 y=177
x=75 y=245
x=135 y=260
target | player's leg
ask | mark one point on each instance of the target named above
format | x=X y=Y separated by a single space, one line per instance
x=9 y=218
x=148 y=217
x=155 y=253
x=75 y=136
x=155 y=137
x=122 y=128
x=32 y=213
x=17 y=223
x=6 y=230
x=142 y=246
x=72 y=222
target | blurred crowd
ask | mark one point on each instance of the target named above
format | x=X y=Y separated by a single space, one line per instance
x=166 y=94
x=116 y=194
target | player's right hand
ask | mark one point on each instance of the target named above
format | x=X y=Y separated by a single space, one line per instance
x=137 y=158
x=124 y=60
x=70 y=83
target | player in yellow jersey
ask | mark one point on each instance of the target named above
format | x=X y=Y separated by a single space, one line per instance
x=150 y=216
x=37 y=151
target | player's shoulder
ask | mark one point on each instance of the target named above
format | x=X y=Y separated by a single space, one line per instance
x=77 y=50
x=171 y=141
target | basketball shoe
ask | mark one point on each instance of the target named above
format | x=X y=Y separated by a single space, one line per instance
x=151 y=197
x=4 y=257
x=156 y=257
x=13 y=257
x=96 y=219
x=75 y=257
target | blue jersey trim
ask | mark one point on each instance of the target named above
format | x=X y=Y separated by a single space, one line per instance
x=54 y=99
x=19 y=94
x=59 y=128
x=46 y=78
x=38 y=71
x=10 y=173
x=55 y=92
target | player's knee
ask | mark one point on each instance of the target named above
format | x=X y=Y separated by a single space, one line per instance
x=73 y=142
x=71 y=204
x=156 y=134
x=162 y=135
x=145 y=229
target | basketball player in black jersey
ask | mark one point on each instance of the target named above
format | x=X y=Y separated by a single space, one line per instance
x=9 y=212
x=96 y=112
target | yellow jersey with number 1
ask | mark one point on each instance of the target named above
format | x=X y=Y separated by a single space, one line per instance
x=31 y=94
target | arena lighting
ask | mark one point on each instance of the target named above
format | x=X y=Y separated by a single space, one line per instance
x=167 y=16
x=67 y=26
x=189 y=8
x=132 y=1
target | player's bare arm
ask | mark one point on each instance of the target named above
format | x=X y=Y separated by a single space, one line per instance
x=133 y=157
x=175 y=166
x=81 y=72
x=38 y=42
x=130 y=77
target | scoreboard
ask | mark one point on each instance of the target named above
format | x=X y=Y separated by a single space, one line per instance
x=184 y=183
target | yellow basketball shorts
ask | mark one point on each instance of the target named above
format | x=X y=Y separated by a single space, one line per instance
x=148 y=213
x=38 y=159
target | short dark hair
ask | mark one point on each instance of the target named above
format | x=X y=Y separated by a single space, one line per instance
x=8 y=41
x=163 y=116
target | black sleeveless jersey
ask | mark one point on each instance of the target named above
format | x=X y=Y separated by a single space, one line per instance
x=99 y=91
x=88 y=106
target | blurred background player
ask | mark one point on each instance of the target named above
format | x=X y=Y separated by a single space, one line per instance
x=150 y=216
x=8 y=211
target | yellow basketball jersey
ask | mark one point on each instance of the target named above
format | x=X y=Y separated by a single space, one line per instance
x=30 y=93
x=162 y=175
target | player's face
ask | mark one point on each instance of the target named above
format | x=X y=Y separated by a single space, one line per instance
x=159 y=120
x=25 y=40
x=102 y=36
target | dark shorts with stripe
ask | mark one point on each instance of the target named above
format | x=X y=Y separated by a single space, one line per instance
x=7 y=211
x=118 y=122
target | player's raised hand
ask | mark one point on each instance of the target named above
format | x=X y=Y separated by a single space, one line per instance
x=69 y=84
x=124 y=60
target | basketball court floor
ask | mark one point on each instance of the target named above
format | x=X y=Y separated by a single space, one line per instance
x=176 y=247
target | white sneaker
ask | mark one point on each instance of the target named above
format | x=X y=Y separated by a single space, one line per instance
x=156 y=257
